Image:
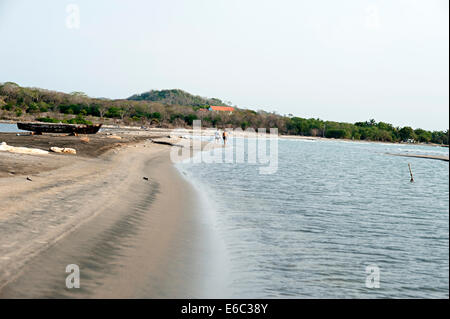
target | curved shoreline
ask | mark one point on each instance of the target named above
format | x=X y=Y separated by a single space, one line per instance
x=216 y=278
x=132 y=238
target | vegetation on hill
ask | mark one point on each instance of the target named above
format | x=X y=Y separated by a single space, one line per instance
x=176 y=108
x=175 y=97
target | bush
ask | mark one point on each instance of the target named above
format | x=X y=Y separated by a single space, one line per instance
x=77 y=120
x=33 y=108
x=8 y=107
x=114 y=112
x=407 y=133
x=336 y=133
x=43 y=107
x=156 y=115
x=47 y=120
x=356 y=136
x=189 y=119
x=244 y=125
x=175 y=116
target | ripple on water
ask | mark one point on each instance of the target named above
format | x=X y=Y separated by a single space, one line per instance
x=331 y=209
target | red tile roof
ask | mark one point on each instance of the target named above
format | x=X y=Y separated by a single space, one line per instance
x=222 y=108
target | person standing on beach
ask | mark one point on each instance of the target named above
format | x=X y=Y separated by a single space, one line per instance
x=224 y=136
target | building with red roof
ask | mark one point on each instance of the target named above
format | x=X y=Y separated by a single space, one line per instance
x=221 y=108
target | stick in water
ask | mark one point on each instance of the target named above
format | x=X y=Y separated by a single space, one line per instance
x=410 y=173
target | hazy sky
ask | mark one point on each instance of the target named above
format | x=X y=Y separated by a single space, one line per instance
x=338 y=60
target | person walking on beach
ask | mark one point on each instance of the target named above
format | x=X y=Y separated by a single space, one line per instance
x=217 y=136
x=224 y=136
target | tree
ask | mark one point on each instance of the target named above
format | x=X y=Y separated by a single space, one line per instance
x=2 y=101
x=176 y=107
x=78 y=93
x=406 y=133
x=422 y=135
x=336 y=133
x=102 y=109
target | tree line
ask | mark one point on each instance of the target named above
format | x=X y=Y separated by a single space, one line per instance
x=177 y=108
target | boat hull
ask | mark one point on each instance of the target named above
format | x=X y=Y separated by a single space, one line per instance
x=40 y=128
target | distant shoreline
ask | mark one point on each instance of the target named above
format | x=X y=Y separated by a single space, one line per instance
x=435 y=157
x=316 y=138
x=211 y=133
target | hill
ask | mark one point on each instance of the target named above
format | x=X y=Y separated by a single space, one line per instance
x=177 y=108
x=175 y=97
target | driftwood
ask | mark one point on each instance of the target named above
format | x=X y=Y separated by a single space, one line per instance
x=165 y=143
x=63 y=150
x=114 y=136
x=21 y=150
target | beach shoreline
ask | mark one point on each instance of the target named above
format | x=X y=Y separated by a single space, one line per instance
x=153 y=245
x=138 y=130
x=433 y=157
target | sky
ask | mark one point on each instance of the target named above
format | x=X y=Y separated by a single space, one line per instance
x=347 y=60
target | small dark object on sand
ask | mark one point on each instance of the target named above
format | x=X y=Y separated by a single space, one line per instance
x=146 y=178
x=29 y=179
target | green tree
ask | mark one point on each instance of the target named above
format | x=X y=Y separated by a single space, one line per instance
x=337 y=133
x=406 y=133
x=422 y=135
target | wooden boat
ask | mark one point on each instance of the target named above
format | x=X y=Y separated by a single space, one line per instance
x=39 y=128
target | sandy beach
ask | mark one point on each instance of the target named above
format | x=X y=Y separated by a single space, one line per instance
x=435 y=157
x=131 y=237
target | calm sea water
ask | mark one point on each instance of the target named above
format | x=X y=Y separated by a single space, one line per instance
x=9 y=128
x=330 y=210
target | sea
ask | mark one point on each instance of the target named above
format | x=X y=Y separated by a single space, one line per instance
x=9 y=128
x=337 y=219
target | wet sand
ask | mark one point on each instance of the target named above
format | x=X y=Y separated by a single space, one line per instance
x=131 y=237
x=434 y=157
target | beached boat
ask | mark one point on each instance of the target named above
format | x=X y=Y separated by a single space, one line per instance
x=40 y=128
